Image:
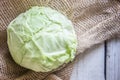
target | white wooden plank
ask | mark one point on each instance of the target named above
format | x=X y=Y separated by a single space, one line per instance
x=90 y=65
x=113 y=60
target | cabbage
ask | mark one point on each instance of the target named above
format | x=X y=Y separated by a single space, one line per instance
x=41 y=39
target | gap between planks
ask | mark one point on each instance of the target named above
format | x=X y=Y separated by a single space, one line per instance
x=101 y=63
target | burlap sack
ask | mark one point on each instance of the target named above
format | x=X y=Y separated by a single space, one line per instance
x=94 y=21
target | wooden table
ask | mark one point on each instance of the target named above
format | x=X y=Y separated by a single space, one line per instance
x=99 y=63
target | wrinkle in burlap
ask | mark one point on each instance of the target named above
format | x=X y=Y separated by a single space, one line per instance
x=94 y=21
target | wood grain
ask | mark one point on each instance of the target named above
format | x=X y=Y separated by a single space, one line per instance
x=113 y=60
x=90 y=65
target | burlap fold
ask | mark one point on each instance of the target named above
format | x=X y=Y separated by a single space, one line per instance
x=94 y=21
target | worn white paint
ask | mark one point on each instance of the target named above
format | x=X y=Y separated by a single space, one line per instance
x=90 y=65
x=113 y=60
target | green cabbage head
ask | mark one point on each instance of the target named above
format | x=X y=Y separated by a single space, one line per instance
x=41 y=39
